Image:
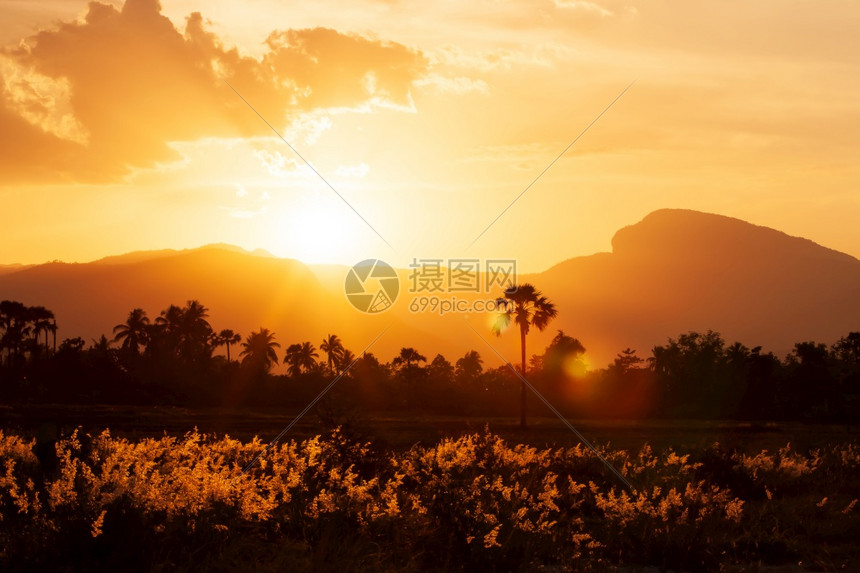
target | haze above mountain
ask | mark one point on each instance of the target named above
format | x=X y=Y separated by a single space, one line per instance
x=670 y=273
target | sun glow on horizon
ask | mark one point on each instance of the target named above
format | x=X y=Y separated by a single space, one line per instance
x=313 y=232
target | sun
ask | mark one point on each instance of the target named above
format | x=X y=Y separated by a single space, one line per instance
x=316 y=230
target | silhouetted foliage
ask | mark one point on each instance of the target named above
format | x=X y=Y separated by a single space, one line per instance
x=527 y=307
x=226 y=338
x=469 y=367
x=333 y=348
x=134 y=332
x=258 y=352
x=301 y=358
x=171 y=361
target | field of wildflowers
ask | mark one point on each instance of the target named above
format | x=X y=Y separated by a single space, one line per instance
x=472 y=503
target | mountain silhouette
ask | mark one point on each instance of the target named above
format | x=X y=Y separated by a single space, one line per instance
x=14 y=268
x=679 y=270
x=672 y=272
x=243 y=291
x=140 y=256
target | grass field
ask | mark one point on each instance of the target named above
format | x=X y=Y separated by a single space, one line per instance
x=401 y=493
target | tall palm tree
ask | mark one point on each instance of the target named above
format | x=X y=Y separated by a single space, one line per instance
x=527 y=307
x=133 y=332
x=334 y=350
x=259 y=350
x=300 y=358
x=227 y=337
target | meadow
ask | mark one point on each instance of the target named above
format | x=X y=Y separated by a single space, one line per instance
x=370 y=496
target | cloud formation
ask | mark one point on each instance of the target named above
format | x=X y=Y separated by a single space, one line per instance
x=90 y=100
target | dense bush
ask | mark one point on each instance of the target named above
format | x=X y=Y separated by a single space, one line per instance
x=471 y=503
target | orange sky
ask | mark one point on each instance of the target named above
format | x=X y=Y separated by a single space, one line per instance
x=118 y=132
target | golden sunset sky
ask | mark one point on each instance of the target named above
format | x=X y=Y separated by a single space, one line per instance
x=119 y=133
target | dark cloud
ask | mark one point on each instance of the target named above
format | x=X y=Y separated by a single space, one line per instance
x=89 y=100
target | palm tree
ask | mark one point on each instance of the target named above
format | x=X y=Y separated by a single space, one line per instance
x=334 y=350
x=170 y=319
x=185 y=330
x=300 y=358
x=309 y=355
x=53 y=330
x=194 y=317
x=410 y=374
x=259 y=350
x=346 y=358
x=164 y=334
x=133 y=332
x=42 y=319
x=406 y=357
x=14 y=322
x=195 y=331
x=527 y=307
x=227 y=337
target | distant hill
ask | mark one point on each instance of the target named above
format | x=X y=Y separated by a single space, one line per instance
x=679 y=270
x=6 y=269
x=244 y=291
x=140 y=256
x=672 y=272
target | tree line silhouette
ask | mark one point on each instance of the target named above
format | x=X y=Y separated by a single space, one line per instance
x=173 y=359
